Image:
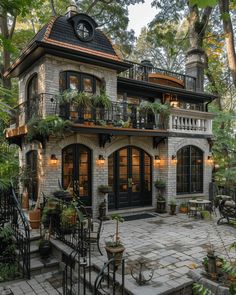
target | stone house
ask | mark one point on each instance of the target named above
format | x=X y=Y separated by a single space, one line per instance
x=124 y=145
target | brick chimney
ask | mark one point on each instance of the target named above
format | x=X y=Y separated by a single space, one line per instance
x=195 y=67
x=71 y=10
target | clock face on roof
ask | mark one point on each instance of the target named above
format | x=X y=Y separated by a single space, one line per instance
x=84 y=30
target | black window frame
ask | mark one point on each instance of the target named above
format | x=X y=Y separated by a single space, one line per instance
x=31 y=101
x=189 y=159
x=65 y=76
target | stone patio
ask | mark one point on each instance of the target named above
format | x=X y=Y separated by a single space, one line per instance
x=171 y=245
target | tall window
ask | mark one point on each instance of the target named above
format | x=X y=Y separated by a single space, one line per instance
x=32 y=174
x=32 y=93
x=189 y=170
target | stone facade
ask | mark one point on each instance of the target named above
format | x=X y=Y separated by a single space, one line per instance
x=48 y=69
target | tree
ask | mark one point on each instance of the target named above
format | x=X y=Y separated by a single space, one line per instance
x=9 y=11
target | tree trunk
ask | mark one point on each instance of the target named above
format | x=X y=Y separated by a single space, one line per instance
x=7 y=34
x=229 y=37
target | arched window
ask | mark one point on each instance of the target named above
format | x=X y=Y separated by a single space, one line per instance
x=32 y=93
x=79 y=81
x=189 y=170
x=32 y=174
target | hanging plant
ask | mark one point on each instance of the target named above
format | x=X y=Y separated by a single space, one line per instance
x=67 y=96
x=42 y=128
x=102 y=100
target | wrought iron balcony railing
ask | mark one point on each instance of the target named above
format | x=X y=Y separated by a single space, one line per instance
x=119 y=115
x=144 y=71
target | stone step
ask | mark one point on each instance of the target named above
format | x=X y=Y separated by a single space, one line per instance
x=38 y=266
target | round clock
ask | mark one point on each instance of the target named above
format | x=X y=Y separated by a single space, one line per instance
x=84 y=30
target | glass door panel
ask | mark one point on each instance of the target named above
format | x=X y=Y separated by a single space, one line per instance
x=68 y=166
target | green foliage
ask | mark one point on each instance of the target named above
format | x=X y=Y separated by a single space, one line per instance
x=155 y=107
x=102 y=100
x=9 y=271
x=199 y=289
x=160 y=183
x=204 y=3
x=117 y=217
x=51 y=125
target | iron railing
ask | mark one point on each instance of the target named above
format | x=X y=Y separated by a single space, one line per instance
x=21 y=230
x=106 y=282
x=141 y=71
x=11 y=212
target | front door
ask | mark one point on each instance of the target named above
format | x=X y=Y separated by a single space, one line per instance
x=129 y=173
x=76 y=171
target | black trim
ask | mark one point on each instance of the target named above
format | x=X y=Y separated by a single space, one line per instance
x=141 y=88
x=39 y=49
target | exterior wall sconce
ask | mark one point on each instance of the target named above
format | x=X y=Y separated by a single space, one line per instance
x=210 y=160
x=174 y=101
x=100 y=160
x=174 y=159
x=157 y=160
x=53 y=159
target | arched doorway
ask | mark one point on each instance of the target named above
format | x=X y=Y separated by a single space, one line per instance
x=129 y=174
x=76 y=171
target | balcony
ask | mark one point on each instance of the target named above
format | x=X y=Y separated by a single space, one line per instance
x=120 y=116
x=146 y=72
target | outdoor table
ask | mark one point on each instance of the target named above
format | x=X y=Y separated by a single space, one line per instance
x=195 y=206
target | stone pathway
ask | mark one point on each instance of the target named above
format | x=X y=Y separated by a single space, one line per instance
x=171 y=245
x=43 y=284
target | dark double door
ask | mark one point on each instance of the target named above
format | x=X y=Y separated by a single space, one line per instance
x=129 y=173
x=76 y=171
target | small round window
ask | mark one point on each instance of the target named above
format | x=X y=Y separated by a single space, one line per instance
x=84 y=30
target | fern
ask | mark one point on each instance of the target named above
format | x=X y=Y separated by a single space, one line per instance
x=199 y=289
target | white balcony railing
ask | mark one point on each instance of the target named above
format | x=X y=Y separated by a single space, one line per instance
x=189 y=121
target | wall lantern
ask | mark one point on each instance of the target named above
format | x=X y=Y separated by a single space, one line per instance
x=174 y=101
x=53 y=160
x=101 y=160
x=210 y=159
x=157 y=160
x=174 y=159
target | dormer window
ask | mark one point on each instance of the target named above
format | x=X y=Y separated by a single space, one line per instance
x=84 y=31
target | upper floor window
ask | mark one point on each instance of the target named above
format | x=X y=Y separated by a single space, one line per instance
x=80 y=82
x=32 y=93
x=189 y=170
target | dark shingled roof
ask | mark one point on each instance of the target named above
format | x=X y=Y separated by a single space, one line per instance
x=59 y=35
x=63 y=31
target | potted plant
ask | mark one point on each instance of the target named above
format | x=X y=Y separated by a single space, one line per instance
x=105 y=189
x=160 y=184
x=69 y=215
x=45 y=247
x=51 y=214
x=172 y=205
x=102 y=210
x=114 y=248
x=102 y=100
x=161 y=204
x=183 y=207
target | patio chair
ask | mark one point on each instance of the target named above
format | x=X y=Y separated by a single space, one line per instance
x=94 y=234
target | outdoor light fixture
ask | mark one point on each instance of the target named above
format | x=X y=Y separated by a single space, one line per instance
x=53 y=159
x=157 y=160
x=101 y=160
x=210 y=159
x=174 y=101
x=174 y=159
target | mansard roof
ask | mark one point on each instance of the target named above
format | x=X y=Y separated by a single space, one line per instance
x=59 y=38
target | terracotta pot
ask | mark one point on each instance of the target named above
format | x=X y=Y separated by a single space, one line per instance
x=25 y=200
x=183 y=210
x=34 y=218
x=116 y=252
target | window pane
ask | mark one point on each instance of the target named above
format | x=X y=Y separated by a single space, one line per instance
x=190 y=170
x=73 y=82
x=88 y=85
